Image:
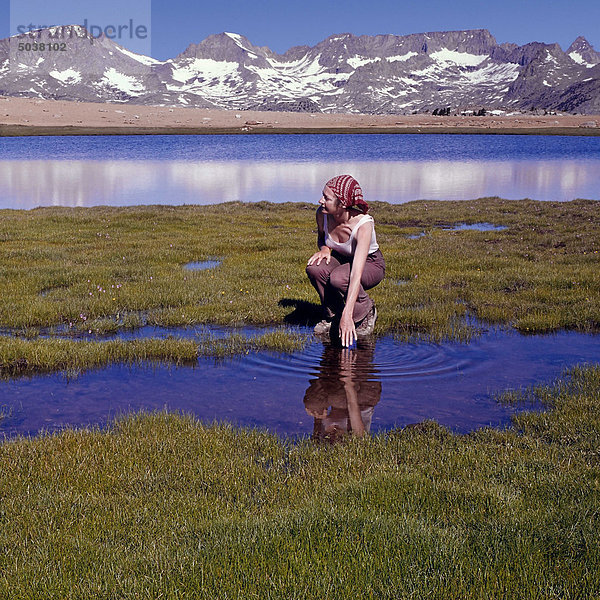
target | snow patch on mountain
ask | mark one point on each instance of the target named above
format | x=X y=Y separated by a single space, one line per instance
x=303 y=67
x=22 y=67
x=463 y=59
x=239 y=40
x=388 y=91
x=293 y=82
x=236 y=37
x=550 y=58
x=358 y=61
x=493 y=73
x=215 y=80
x=401 y=57
x=580 y=60
x=66 y=76
x=125 y=83
x=142 y=58
x=205 y=68
x=427 y=71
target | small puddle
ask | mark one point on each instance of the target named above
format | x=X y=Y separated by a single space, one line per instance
x=305 y=393
x=202 y=265
x=475 y=227
x=461 y=227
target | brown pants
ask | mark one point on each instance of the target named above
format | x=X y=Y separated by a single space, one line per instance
x=332 y=280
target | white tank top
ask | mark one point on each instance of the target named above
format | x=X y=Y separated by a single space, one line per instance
x=347 y=248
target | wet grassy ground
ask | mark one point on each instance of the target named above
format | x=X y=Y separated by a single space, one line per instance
x=103 y=269
x=162 y=506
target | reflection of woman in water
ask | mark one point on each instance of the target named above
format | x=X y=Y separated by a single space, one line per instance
x=348 y=261
x=342 y=399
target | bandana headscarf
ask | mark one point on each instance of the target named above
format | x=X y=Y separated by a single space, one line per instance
x=348 y=192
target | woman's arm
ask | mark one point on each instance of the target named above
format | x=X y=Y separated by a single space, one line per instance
x=363 y=241
x=324 y=250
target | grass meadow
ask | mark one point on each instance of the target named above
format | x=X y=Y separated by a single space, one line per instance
x=162 y=506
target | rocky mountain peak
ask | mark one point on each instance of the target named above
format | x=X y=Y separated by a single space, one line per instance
x=223 y=46
x=579 y=44
x=229 y=47
x=582 y=52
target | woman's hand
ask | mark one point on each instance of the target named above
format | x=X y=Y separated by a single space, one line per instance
x=317 y=257
x=347 y=329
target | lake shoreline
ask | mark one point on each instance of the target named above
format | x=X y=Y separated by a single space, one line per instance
x=35 y=117
x=22 y=131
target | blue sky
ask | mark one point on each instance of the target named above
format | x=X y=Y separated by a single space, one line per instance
x=281 y=24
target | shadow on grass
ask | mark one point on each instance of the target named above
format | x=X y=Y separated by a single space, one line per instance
x=304 y=313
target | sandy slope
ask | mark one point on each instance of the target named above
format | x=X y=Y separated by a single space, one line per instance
x=28 y=116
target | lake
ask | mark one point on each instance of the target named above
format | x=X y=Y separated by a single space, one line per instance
x=210 y=169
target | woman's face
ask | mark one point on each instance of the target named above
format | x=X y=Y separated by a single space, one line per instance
x=329 y=201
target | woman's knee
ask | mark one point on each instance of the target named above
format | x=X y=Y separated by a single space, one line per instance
x=373 y=273
x=317 y=273
x=372 y=279
x=340 y=278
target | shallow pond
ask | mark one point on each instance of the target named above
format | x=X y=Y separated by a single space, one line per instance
x=462 y=227
x=202 y=265
x=394 y=383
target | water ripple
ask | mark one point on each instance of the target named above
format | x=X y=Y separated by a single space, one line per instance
x=389 y=359
x=402 y=359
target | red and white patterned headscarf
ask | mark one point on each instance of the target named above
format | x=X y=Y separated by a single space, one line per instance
x=348 y=192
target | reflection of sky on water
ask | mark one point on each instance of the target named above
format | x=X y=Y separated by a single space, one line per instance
x=26 y=184
x=396 y=384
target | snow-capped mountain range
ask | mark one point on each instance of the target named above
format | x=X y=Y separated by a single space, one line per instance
x=460 y=70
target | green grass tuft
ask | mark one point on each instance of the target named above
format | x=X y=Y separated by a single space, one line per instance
x=26 y=357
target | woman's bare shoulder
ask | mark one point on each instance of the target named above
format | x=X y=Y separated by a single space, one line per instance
x=360 y=220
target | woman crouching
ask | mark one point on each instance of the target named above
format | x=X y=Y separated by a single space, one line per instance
x=348 y=261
